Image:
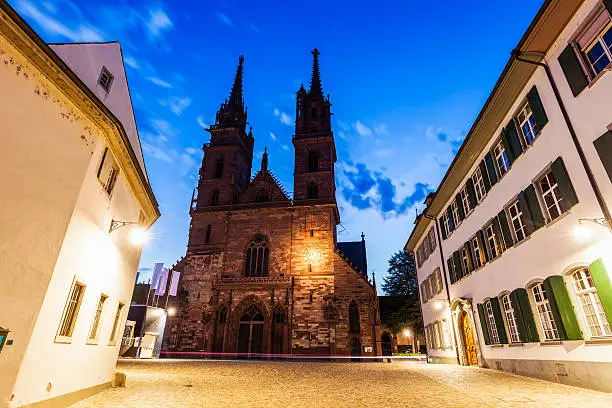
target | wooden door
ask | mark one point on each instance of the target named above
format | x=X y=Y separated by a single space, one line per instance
x=469 y=344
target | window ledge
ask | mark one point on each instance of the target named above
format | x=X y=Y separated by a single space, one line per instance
x=558 y=219
x=112 y=343
x=516 y=345
x=597 y=77
x=496 y=345
x=92 y=342
x=598 y=340
x=551 y=343
x=63 y=339
x=527 y=238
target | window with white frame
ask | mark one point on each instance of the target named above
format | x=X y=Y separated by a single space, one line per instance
x=479 y=186
x=502 y=164
x=446 y=224
x=549 y=189
x=599 y=51
x=465 y=201
x=510 y=319
x=590 y=303
x=478 y=258
x=116 y=322
x=455 y=211
x=545 y=316
x=438 y=279
x=516 y=219
x=527 y=123
x=95 y=326
x=440 y=334
x=465 y=259
x=71 y=310
x=436 y=335
x=492 y=241
x=108 y=171
x=492 y=326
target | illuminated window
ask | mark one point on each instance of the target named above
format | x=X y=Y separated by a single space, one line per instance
x=72 y=310
x=590 y=303
x=478 y=255
x=492 y=240
x=510 y=319
x=547 y=321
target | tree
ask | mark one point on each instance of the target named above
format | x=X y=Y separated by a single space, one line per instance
x=401 y=282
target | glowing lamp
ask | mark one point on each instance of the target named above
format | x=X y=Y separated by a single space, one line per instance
x=581 y=233
x=139 y=236
x=406 y=332
x=171 y=311
x=438 y=305
x=312 y=256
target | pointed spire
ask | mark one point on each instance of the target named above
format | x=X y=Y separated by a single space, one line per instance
x=232 y=112
x=235 y=99
x=374 y=278
x=315 y=81
x=264 y=160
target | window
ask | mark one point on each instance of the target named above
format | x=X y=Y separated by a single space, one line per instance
x=599 y=52
x=438 y=280
x=455 y=211
x=547 y=321
x=437 y=334
x=93 y=334
x=106 y=79
x=550 y=195
x=214 y=198
x=516 y=219
x=510 y=319
x=479 y=186
x=465 y=259
x=72 y=310
x=313 y=161
x=445 y=224
x=465 y=201
x=219 y=168
x=257 y=256
x=492 y=240
x=432 y=239
x=502 y=164
x=354 y=317
x=208 y=232
x=108 y=171
x=492 y=327
x=478 y=258
x=262 y=196
x=313 y=190
x=113 y=337
x=527 y=123
x=590 y=303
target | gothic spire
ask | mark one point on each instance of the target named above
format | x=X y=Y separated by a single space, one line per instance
x=315 y=81
x=264 y=159
x=232 y=112
x=236 y=95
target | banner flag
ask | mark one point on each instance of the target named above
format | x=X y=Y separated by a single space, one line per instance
x=174 y=283
x=163 y=282
x=157 y=271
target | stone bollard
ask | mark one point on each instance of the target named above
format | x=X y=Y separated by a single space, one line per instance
x=118 y=379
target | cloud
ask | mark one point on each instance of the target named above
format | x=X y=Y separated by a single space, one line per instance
x=224 y=19
x=284 y=118
x=156 y=152
x=362 y=129
x=158 y=22
x=176 y=105
x=192 y=150
x=159 y=82
x=285 y=147
x=254 y=28
x=154 y=138
x=201 y=122
x=276 y=112
x=273 y=136
x=381 y=130
x=342 y=135
x=131 y=61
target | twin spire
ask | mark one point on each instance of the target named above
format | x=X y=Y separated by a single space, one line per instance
x=232 y=112
x=315 y=82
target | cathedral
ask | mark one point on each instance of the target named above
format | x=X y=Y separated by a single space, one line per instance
x=264 y=272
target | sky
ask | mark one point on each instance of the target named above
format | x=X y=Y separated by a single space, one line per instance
x=406 y=80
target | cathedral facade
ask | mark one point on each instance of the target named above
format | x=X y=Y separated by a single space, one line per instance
x=264 y=272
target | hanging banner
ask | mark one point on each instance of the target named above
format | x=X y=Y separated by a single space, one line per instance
x=163 y=282
x=157 y=271
x=174 y=283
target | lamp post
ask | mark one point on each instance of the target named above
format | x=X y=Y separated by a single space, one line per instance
x=138 y=236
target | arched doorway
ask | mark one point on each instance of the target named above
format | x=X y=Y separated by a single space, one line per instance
x=387 y=345
x=355 y=347
x=467 y=337
x=250 y=335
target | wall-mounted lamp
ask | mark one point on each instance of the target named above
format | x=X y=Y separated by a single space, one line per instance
x=138 y=235
x=581 y=233
x=312 y=256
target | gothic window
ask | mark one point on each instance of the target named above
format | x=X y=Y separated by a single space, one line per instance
x=219 y=168
x=313 y=190
x=208 y=231
x=262 y=196
x=313 y=161
x=257 y=257
x=354 y=317
x=214 y=198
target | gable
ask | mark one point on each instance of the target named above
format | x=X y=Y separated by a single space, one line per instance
x=264 y=184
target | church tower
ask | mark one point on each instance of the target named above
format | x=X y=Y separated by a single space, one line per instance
x=315 y=151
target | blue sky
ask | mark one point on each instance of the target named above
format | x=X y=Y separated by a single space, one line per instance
x=406 y=81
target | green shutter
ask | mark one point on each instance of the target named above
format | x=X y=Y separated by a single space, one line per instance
x=451 y=219
x=530 y=201
x=505 y=228
x=507 y=147
x=471 y=193
x=442 y=229
x=527 y=220
x=459 y=207
x=480 y=235
x=535 y=103
x=603 y=145
x=485 y=175
x=565 y=185
x=514 y=141
x=601 y=279
x=574 y=74
x=490 y=163
x=483 y=324
x=525 y=322
x=458 y=267
x=562 y=308
x=451 y=270
x=499 y=321
x=498 y=235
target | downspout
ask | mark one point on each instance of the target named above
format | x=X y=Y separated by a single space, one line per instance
x=516 y=54
x=446 y=282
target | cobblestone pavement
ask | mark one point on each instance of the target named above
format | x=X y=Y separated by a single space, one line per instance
x=196 y=383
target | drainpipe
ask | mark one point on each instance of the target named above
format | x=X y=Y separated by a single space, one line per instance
x=516 y=54
x=446 y=281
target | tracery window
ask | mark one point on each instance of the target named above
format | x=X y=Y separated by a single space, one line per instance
x=257 y=256
x=354 y=317
x=313 y=161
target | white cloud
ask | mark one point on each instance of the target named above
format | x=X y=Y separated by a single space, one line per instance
x=362 y=129
x=156 y=152
x=273 y=136
x=285 y=147
x=201 y=122
x=381 y=130
x=192 y=150
x=131 y=61
x=342 y=135
x=159 y=82
x=284 y=118
x=176 y=105
x=276 y=112
x=158 y=22
x=225 y=19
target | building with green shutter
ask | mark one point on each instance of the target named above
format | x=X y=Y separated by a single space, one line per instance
x=514 y=249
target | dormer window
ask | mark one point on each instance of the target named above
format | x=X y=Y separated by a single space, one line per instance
x=106 y=79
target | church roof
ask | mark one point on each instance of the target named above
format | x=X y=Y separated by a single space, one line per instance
x=355 y=253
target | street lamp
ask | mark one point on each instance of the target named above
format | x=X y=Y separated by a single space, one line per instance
x=138 y=236
x=581 y=233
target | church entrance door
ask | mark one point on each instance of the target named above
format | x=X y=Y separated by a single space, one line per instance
x=387 y=346
x=250 y=336
x=469 y=344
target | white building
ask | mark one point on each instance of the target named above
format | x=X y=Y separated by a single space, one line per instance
x=70 y=165
x=519 y=277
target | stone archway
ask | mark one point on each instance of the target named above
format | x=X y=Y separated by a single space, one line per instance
x=468 y=341
x=249 y=327
x=386 y=343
